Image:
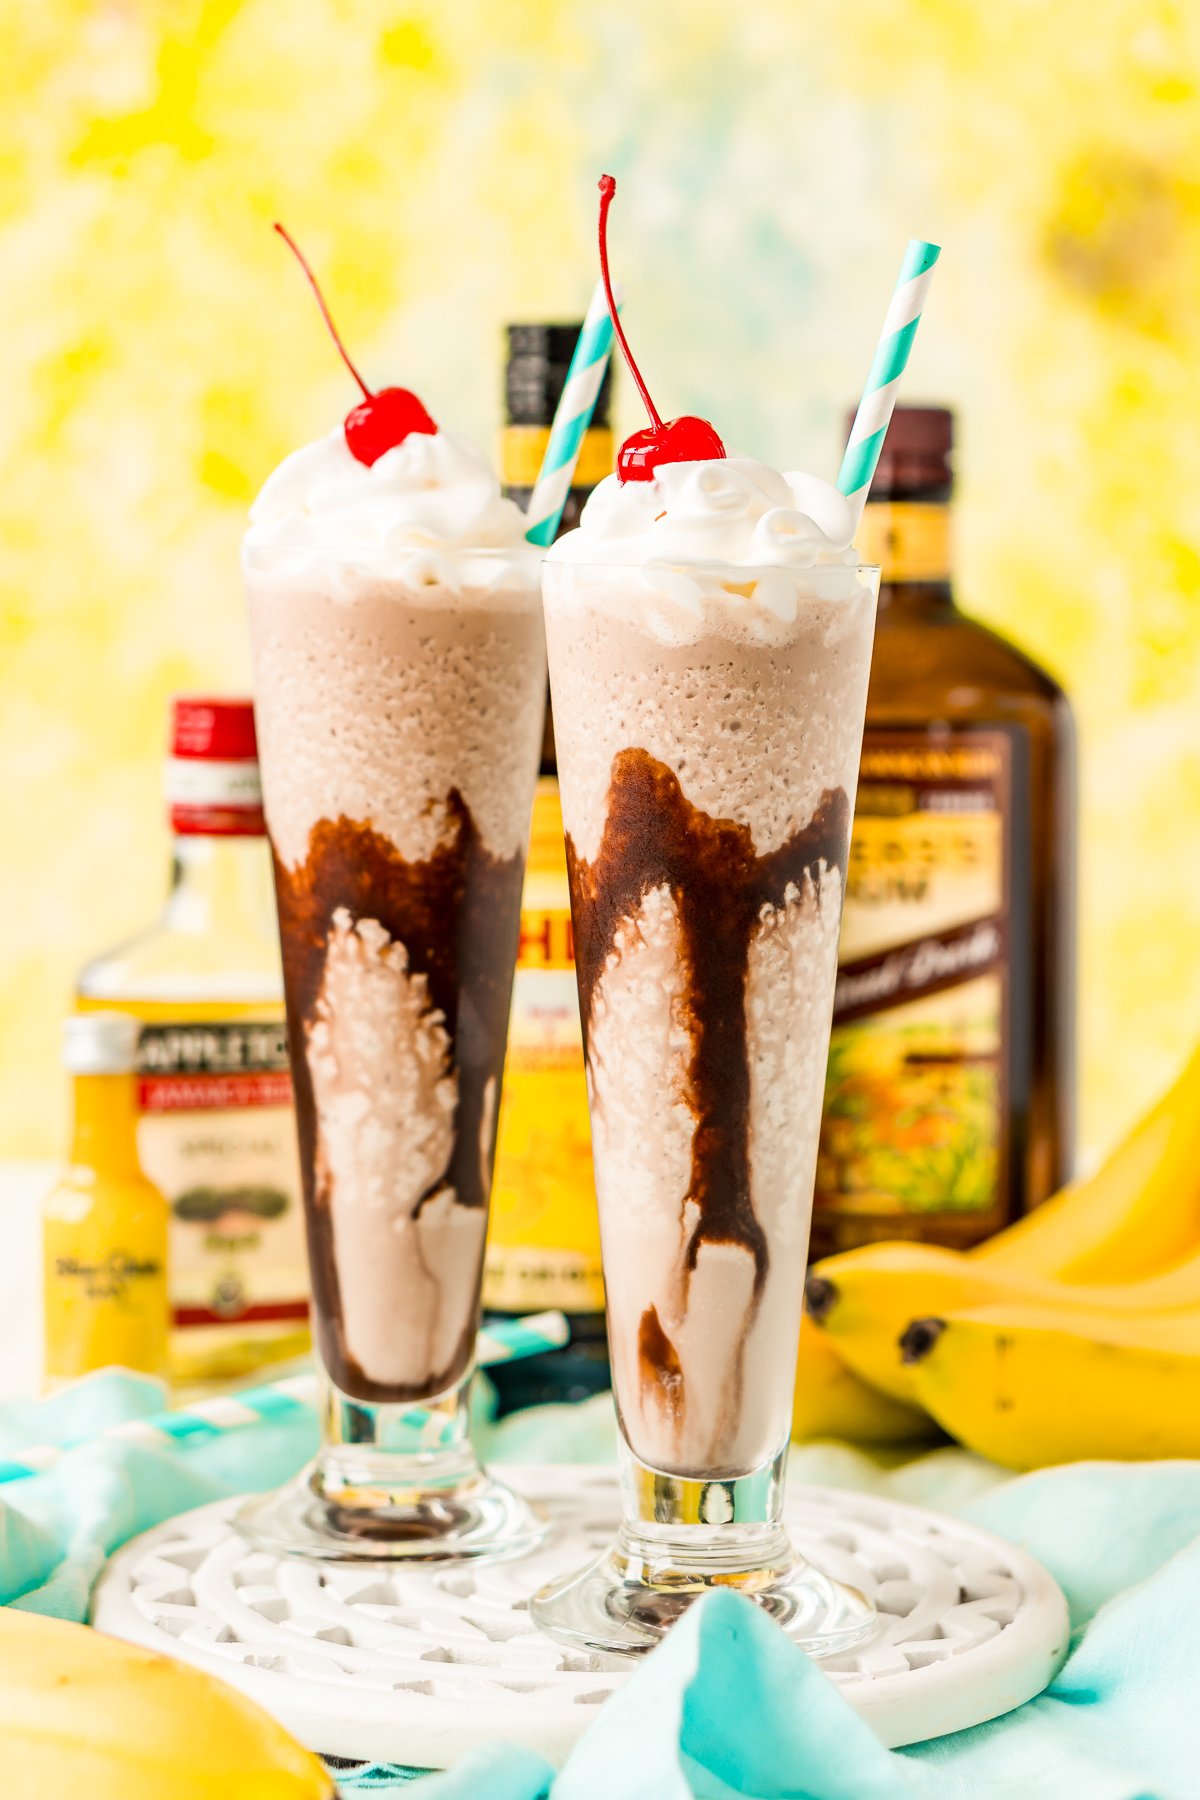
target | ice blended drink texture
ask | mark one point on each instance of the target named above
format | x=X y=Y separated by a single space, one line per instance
x=709 y=636
x=399 y=692
x=709 y=629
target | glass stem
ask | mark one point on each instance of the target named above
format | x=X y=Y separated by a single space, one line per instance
x=674 y=1527
x=368 y=1446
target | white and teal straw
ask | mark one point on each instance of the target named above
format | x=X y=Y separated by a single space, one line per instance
x=572 y=416
x=283 y=1402
x=891 y=359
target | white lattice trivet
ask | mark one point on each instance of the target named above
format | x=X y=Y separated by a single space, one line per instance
x=419 y=1666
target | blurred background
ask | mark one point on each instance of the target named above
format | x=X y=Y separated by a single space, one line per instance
x=438 y=162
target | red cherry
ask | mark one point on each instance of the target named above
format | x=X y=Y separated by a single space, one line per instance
x=384 y=420
x=381 y=420
x=686 y=439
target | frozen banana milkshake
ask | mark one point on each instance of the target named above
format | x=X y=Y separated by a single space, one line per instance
x=399 y=693
x=709 y=633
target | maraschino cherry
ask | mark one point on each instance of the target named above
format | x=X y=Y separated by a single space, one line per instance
x=380 y=421
x=686 y=439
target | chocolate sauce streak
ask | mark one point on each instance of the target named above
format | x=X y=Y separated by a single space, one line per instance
x=458 y=917
x=655 y=838
x=659 y=1367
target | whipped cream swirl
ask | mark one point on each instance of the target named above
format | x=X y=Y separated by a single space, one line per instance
x=732 y=510
x=682 y=539
x=408 y=517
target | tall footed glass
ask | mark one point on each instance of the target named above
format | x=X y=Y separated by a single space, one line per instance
x=399 y=709
x=709 y=722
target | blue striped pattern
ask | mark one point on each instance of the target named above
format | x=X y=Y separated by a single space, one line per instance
x=566 y=436
x=281 y=1402
x=860 y=462
x=270 y=1404
x=562 y=452
x=889 y=363
x=533 y=1335
x=576 y=405
x=919 y=258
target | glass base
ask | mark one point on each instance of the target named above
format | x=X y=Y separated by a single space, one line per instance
x=393 y=1484
x=393 y=1520
x=683 y=1538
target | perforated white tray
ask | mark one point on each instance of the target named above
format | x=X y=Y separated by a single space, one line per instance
x=419 y=1666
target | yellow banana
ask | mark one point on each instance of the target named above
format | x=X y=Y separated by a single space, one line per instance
x=84 y=1713
x=1137 y=1219
x=1138 y=1212
x=831 y=1401
x=1027 y=1387
x=865 y=1298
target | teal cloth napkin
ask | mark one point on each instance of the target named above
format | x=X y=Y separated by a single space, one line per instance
x=727 y=1707
x=57 y=1528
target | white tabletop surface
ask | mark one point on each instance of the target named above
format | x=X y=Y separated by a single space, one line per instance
x=22 y=1185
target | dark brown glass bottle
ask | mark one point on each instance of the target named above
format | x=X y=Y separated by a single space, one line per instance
x=949 y=1102
x=544 y=1236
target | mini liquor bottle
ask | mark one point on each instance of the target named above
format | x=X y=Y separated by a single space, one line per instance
x=216 y=1129
x=104 y=1225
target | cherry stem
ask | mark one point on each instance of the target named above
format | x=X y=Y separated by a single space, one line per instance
x=608 y=188
x=300 y=257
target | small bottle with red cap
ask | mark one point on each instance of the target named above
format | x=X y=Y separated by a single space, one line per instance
x=215 y=1126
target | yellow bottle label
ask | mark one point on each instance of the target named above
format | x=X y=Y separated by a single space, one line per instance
x=104 y=1245
x=522 y=448
x=915 y=1099
x=217 y=1135
x=544 y=1237
x=908 y=539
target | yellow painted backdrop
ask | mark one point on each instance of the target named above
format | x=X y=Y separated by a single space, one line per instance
x=159 y=354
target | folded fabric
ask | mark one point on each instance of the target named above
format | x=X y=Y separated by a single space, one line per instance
x=729 y=1709
x=58 y=1527
x=727 y=1706
x=80 y=1410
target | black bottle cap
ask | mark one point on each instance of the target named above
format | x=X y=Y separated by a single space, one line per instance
x=916 y=455
x=536 y=370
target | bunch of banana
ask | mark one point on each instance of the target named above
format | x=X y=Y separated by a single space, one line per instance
x=1076 y=1333
x=831 y=1401
x=81 y=1713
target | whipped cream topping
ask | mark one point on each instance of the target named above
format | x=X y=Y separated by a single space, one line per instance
x=681 y=539
x=732 y=510
x=406 y=517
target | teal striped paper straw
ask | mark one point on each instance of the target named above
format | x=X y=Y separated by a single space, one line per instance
x=891 y=359
x=280 y=1401
x=572 y=416
x=204 y=1419
x=510 y=1339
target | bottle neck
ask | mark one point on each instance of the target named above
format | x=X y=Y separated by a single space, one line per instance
x=104 y=1134
x=220 y=882
x=909 y=538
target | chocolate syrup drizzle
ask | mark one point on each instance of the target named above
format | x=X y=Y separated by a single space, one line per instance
x=655 y=838
x=458 y=917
